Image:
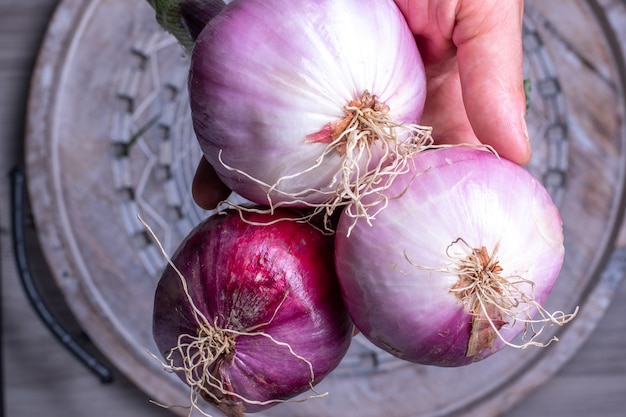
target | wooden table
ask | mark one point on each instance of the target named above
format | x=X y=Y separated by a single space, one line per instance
x=42 y=378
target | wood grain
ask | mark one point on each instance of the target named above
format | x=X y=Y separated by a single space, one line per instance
x=41 y=378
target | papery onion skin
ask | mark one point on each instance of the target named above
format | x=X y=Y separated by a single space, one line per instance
x=265 y=74
x=241 y=275
x=455 y=193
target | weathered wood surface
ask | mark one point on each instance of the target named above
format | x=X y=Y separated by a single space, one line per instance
x=42 y=379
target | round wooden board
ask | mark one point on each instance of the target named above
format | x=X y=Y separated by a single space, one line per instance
x=109 y=138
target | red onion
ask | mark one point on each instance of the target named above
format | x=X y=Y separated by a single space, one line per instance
x=458 y=264
x=308 y=103
x=253 y=314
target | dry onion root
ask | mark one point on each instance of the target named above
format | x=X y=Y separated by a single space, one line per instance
x=374 y=150
x=201 y=355
x=494 y=301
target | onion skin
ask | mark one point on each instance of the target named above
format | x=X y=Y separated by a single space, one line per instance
x=243 y=276
x=408 y=309
x=265 y=74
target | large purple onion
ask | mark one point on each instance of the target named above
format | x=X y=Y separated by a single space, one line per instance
x=458 y=264
x=266 y=301
x=298 y=102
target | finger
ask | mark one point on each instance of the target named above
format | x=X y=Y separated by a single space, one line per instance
x=444 y=109
x=488 y=37
x=207 y=189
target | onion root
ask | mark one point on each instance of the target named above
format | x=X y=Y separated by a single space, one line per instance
x=367 y=122
x=495 y=301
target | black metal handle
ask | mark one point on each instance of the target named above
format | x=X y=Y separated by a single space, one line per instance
x=32 y=292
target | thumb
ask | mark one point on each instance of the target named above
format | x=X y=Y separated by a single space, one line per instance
x=488 y=36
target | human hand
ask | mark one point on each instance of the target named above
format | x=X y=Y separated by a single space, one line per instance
x=472 y=52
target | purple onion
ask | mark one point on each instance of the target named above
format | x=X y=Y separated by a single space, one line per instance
x=458 y=264
x=266 y=296
x=275 y=87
